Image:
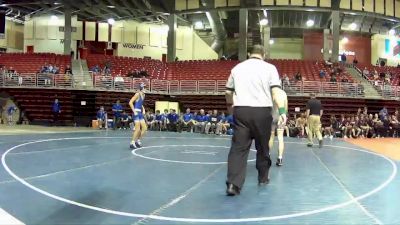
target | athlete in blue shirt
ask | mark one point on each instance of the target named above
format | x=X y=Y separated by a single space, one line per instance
x=201 y=120
x=156 y=124
x=172 y=120
x=10 y=112
x=136 y=104
x=188 y=120
x=117 y=109
x=56 y=109
x=102 y=118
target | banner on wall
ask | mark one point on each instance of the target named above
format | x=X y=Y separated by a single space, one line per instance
x=392 y=47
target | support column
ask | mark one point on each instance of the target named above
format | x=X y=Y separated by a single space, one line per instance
x=67 y=30
x=335 y=35
x=326 y=47
x=171 y=39
x=266 y=37
x=243 y=25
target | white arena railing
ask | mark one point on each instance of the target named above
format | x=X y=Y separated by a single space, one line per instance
x=188 y=87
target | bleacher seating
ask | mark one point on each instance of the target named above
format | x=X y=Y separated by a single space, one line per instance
x=122 y=65
x=383 y=69
x=205 y=69
x=32 y=63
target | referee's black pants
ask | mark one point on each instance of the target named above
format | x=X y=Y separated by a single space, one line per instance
x=249 y=123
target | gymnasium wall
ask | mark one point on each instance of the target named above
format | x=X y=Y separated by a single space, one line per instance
x=357 y=45
x=140 y=40
x=14 y=37
x=383 y=46
x=132 y=38
x=287 y=48
x=45 y=34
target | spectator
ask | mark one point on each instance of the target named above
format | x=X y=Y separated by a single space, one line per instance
x=95 y=69
x=102 y=118
x=125 y=120
x=298 y=76
x=212 y=122
x=285 y=80
x=50 y=68
x=68 y=70
x=322 y=74
x=366 y=72
x=56 y=109
x=173 y=119
x=10 y=114
x=188 y=120
x=343 y=58
x=227 y=125
x=383 y=113
x=201 y=120
x=301 y=124
x=345 y=80
x=149 y=117
x=333 y=79
x=117 y=110
x=157 y=122
x=355 y=61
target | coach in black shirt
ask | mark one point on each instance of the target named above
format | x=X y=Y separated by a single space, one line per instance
x=314 y=113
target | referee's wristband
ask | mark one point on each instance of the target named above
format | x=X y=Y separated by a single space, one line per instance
x=282 y=110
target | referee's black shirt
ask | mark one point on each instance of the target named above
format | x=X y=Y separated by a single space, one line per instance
x=314 y=105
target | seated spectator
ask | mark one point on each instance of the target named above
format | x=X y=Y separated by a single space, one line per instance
x=365 y=72
x=301 y=124
x=333 y=126
x=212 y=122
x=298 y=77
x=173 y=119
x=225 y=125
x=143 y=73
x=333 y=79
x=322 y=74
x=50 y=68
x=117 y=109
x=345 y=80
x=68 y=70
x=11 y=70
x=125 y=120
x=188 y=121
x=95 y=69
x=394 y=126
x=285 y=80
x=119 y=82
x=156 y=124
x=102 y=118
x=201 y=120
x=164 y=118
x=149 y=117
x=55 y=70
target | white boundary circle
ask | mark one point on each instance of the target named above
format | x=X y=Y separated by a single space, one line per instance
x=134 y=152
x=196 y=220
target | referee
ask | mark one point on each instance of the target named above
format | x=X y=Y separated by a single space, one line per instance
x=250 y=89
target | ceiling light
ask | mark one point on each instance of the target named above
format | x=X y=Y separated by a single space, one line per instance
x=111 y=21
x=345 y=40
x=264 y=22
x=111 y=6
x=53 y=17
x=310 y=23
x=198 y=25
x=56 y=3
x=3 y=5
x=310 y=10
x=353 y=26
x=271 y=41
x=392 y=32
x=265 y=13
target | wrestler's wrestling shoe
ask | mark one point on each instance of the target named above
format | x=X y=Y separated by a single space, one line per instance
x=279 y=162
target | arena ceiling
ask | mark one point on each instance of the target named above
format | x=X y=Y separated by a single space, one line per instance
x=284 y=21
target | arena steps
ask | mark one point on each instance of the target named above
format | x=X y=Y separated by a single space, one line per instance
x=369 y=90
